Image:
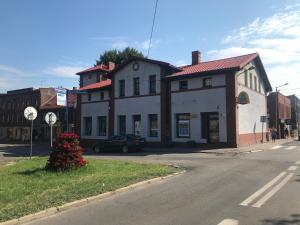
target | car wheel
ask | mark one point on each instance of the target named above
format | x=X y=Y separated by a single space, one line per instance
x=125 y=149
x=97 y=149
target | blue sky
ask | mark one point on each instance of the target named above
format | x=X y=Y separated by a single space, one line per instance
x=44 y=43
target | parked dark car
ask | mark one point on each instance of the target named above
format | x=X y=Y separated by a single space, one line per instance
x=124 y=143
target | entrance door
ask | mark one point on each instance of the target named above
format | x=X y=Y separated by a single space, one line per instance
x=137 y=125
x=213 y=128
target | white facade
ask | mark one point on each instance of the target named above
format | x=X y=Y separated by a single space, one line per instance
x=144 y=104
x=249 y=114
x=197 y=101
x=94 y=108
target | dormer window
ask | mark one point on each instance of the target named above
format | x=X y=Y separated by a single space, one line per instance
x=207 y=82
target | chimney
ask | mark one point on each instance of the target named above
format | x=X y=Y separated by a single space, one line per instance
x=111 y=65
x=196 y=57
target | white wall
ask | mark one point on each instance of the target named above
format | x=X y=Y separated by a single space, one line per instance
x=249 y=115
x=89 y=78
x=197 y=82
x=195 y=102
x=95 y=96
x=127 y=74
x=138 y=105
x=94 y=109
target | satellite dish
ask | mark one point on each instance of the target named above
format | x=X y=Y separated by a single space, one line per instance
x=30 y=113
x=50 y=118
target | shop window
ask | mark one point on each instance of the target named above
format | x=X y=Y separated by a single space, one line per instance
x=101 y=125
x=183 y=125
x=87 y=122
x=153 y=125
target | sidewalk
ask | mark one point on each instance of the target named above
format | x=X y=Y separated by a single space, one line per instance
x=252 y=148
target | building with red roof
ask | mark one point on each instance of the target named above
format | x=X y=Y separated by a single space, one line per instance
x=219 y=102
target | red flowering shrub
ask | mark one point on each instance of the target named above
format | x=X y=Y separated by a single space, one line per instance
x=66 y=153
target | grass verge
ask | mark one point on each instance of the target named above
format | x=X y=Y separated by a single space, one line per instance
x=26 y=187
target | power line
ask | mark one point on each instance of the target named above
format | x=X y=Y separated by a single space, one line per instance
x=153 y=21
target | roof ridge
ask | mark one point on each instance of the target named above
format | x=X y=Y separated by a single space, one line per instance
x=254 y=53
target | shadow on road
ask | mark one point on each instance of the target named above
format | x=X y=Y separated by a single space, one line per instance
x=23 y=150
x=294 y=219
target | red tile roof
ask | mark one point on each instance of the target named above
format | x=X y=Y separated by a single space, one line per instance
x=217 y=65
x=100 y=67
x=99 y=85
x=52 y=102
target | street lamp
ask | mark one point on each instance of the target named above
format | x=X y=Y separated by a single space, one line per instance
x=277 y=114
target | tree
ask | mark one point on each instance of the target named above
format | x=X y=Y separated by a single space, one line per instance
x=118 y=56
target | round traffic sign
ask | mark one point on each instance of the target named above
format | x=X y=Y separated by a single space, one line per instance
x=50 y=118
x=30 y=113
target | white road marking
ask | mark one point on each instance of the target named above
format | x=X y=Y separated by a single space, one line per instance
x=276 y=147
x=291 y=148
x=263 y=200
x=262 y=190
x=229 y=222
x=292 y=168
x=297 y=163
x=256 y=151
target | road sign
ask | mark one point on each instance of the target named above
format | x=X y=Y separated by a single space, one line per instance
x=30 y=113
x=61 y=97
x=50 y=118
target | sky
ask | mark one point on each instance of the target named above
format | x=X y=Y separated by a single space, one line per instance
x=44 y=43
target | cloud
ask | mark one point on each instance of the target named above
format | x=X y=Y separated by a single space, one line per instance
x=275 y=38
x=120 y=42
x=8 y=69
x=64 y=71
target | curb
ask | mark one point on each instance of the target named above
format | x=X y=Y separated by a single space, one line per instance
x=84 y=201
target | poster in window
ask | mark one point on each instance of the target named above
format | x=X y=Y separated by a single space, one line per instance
x=184 y=128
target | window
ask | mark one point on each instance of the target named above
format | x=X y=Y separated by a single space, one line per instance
x=259 y=86
x=89 y=97
x=152 y=84
x=255 y=83
x=121 y=88
x=207 y=82
x=90 y=76
x=136 y=86
x=183 y=85
x=251 y=83
x=153 y=125
x=122 y=125
x=183 y=125
x=102 y=95
x=246 y=78
x=87 y=123
x=101 y=125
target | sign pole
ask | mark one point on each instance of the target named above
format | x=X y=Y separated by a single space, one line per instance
x=262 y=132
x=67 y=110
x=31 y=132
x=51 y=135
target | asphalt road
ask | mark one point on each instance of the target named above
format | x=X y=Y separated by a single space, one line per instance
x=261 y=187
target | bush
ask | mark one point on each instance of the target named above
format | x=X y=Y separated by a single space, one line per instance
x=66 y=153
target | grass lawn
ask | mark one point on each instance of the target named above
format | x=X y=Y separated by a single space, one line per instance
x=26 y=187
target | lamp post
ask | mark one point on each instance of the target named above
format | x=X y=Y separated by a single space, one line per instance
x=277 y=114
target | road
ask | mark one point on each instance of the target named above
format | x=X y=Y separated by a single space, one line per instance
x=261 y=187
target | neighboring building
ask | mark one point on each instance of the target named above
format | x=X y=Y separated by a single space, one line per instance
x=165 y=104
x=13 y=124
x=279 y=110
x=60 y=112
x=295 y=116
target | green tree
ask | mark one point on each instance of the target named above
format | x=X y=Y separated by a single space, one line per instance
x=118 y=56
